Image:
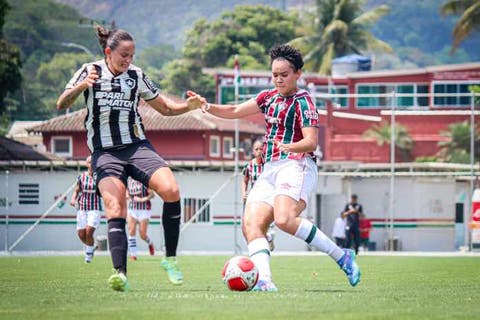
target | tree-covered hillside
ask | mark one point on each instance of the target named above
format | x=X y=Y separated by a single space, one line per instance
x=416 y=30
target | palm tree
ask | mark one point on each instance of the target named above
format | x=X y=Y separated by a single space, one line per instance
x=336 y=28
x=469 y=11
x=457 y=146
x=382 y=134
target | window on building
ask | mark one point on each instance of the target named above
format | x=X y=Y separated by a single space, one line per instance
x=227 y=147
x=62 y=146
x=214 y=146
x=28 y=193
x=380 y=97
x=457 y=94
x=191 y=206
x=340 y=102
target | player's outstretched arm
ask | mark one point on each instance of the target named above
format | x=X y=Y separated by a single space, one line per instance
x=167 y=107
x=230 y=111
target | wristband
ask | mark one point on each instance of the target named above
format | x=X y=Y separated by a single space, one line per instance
x=207 y=106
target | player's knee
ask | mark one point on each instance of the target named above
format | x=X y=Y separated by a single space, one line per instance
x=284 y=222
x=89 y=232
x=81 y=234
x=114 y=208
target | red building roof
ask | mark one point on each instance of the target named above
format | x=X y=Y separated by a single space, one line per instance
x=154 y=121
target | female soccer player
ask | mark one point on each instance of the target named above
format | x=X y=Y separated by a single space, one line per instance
x=112 y=88
x=139 y=212
x=290 y=175
x=89 y=207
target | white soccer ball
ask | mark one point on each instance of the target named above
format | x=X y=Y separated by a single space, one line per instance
x=240 y=273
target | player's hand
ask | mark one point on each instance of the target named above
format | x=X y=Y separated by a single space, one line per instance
x=72 y=203
x=286 y=148
x=194 y=100
x=283 y=147
x=92 y=76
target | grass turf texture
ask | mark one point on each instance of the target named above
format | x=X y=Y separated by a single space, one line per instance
x=310 y=287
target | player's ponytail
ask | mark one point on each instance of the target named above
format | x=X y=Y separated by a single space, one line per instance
x=111 y=38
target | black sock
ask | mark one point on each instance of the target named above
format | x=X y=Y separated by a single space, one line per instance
x=117 y=242
x=171 y=226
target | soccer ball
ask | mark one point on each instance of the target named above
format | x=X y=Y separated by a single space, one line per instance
x=240 y=273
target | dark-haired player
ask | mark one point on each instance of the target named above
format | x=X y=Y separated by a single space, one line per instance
x=112 y=88
x=89 y=209
x=290 y=174
x=139 y=212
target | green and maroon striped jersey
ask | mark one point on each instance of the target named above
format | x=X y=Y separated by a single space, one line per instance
x=252 y=170
x=88 y=198
x=285 y=117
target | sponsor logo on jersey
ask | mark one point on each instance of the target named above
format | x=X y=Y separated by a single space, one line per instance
x=273 y=120
x=311 y=114
x=113 y=99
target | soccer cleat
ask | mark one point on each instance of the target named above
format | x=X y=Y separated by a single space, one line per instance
x=265 y=286
x=170 y=265
x=151 y=248
x=88 y=257
x=134 y=258
x=118 y=281
x=349 y=266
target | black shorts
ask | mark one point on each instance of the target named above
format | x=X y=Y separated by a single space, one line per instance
x=136 y=160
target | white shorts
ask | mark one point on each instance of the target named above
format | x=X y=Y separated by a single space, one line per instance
x=140 y=215
x=293 y=178
x=88 y=218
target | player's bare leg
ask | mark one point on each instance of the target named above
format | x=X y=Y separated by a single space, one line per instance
x=256 y=220
x=132 y=237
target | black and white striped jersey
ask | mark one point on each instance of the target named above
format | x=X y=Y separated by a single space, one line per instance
x=112 y=105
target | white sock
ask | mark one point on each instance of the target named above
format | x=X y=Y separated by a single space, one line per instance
x=132 y=245
x=148 y=240
x=309 y=233
x=259 y=252
x=89 y=249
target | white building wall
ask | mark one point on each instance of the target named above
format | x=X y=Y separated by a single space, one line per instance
x=420 y=206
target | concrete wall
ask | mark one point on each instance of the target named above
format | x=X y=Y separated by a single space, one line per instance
x=423 y=218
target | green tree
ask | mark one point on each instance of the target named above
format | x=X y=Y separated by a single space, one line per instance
x=247 y=30
x=336 y=28
x=156 y=56
x=456 y=148
x=10 y=64
x=183 y=74
x=382 y=133
x=469 y=21
x=39 y=28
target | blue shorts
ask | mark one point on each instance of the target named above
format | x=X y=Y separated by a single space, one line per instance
x=137 y=160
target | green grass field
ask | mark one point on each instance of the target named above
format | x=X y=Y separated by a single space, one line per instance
x=311 y=287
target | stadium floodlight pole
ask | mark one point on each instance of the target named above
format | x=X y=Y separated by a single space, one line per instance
x=6 y=210
x=392 y=173
x=235 y=169
x=472 y=161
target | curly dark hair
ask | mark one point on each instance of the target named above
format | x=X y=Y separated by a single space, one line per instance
x=289 y=53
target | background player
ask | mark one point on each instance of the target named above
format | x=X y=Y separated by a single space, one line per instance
x=290 y=173
x=139 y=212
x=89 y=206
